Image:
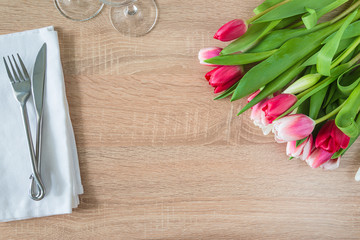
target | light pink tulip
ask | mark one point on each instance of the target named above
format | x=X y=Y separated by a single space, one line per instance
x=207 y=53
x=222 y=78
x=319 y=157
x=276 y=106
x=252 y=96
x=257 y=115
x=231 y=30
x=332 y=164
x=302 y=151
x=293 y=127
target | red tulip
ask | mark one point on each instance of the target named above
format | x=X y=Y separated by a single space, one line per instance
x=222 y=78
x=293 y=127
x=207 y=53
x=302 y=151
x=231 y=30
x=276 y=106
x=331 y=138
x=320 y=157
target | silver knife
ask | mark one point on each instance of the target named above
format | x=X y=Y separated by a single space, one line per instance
x=38 y=96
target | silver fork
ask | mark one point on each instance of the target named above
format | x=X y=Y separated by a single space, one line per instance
x=22 y=89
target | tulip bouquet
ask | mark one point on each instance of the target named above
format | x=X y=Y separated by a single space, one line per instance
x=303 y=82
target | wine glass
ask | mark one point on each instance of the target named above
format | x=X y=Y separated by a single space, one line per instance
x=79 y=10
x=133 y=17
x=129 y=17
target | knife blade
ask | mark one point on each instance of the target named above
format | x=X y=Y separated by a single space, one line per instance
x=39 y=76
x=39 y=80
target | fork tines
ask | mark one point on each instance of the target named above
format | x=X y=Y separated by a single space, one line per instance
x=16 y=76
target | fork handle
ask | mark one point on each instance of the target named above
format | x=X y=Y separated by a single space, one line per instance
x=41 y=190
x=34 y=190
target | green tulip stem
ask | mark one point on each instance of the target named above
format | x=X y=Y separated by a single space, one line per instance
x=346 y=53
x=346 y=12
x=249 y=21
x=329 y=115
x=326 y=10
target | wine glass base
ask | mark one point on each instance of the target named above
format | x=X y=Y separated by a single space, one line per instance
x=79 y=10
x=136 y=19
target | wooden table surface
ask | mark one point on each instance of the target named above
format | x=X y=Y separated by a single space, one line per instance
x=159 y=158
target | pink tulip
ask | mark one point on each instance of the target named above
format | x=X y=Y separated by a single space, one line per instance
x=331 y=138
x=276 y=106
x=231 y=30
x=320 y=157
x=302 y=151
x=331 y=164
x=293 y=127
x=257 y=116
x=222 y=78
x=252 y=96
x=207 y=53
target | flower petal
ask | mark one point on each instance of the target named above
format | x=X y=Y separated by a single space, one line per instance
x=207 y=53
x=231 y=30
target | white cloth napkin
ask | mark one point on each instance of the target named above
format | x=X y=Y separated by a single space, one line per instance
x=59 y=165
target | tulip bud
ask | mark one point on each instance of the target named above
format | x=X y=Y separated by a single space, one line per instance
x=303 y=83
x=331 y=164
x=302 y=151
x=330 y=138
x=222 y=78
x=231 y=30
x=293 y=127
x=207 y=53
x=318 y=157
x=276 y=106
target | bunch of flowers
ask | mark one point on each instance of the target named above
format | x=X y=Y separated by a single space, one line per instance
x=304 y=86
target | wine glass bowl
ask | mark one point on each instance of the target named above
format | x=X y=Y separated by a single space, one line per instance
x=129 y=17
x=79 y=10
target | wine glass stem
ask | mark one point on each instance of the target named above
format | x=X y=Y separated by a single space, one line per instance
x=132 y=9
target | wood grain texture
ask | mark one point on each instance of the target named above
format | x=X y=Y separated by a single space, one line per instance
x=161 y=160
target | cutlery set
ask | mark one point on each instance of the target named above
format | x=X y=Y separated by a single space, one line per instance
x=22 y=88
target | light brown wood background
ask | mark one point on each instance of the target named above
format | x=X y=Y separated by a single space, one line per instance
x=159 y=158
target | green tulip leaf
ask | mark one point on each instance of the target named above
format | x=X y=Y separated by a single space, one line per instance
x=288 y=55
x=342 y=46
x=328 y=52
x=353 y=30
x=240 y=59
x=347 y=83
x=330 y=7
x=274 y=86
x=336 y=72
x=310 y=19
x=345 y=120
x=316 y=102
x=266 y=5
x=253 y=34
x=341 y=152
x=292 y=8
x=277 y=38
x=227 y=93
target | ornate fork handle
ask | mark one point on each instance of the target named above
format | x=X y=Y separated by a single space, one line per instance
x=35 y=175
